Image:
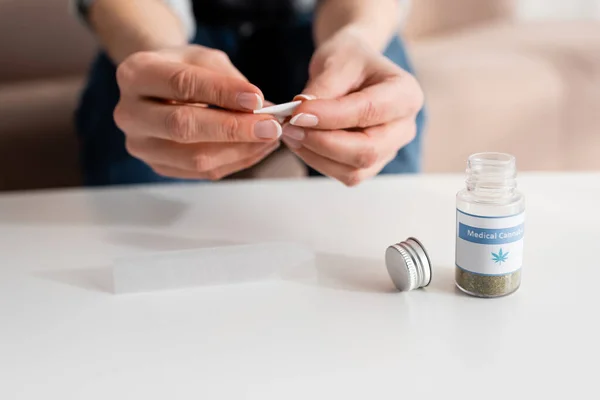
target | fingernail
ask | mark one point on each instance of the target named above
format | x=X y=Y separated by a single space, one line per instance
x=291 y=143
x=306 y=120
x=305 y=97
x=250 y=101
x=293 y=132
x=268 y=129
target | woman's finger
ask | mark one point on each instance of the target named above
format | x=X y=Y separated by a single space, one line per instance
x=192 y=124
x=390 y=98
x=350 y=176
x=359 y=149
x=196 y=157
x=213 y=59
x=217 y=173
x=148 y=74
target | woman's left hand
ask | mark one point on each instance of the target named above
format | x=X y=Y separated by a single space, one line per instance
x=363 y=112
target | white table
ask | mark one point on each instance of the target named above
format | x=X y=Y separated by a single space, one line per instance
x=339 y=333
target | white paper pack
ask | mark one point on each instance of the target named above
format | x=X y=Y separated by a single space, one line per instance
x=204 y=267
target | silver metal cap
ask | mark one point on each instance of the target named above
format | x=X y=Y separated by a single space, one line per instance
x=408 y=265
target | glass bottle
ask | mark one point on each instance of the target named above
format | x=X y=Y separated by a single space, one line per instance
x=490 y=217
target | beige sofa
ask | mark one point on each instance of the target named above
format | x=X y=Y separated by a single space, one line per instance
x=44 y=55
x=491 y=84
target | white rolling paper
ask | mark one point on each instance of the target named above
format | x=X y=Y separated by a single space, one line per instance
x=280 y=110
x=203 y=267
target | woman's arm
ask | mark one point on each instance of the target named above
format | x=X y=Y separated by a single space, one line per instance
x=375 y=20
x=126 y=27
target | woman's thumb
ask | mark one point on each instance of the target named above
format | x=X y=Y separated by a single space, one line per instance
x=334 y=80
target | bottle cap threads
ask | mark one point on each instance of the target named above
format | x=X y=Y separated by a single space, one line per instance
x=408 y=264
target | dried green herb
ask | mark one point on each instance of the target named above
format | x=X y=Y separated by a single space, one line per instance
x=487 y=286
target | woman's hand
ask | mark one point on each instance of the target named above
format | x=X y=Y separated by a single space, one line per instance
x=165 y=115
x=364 y=110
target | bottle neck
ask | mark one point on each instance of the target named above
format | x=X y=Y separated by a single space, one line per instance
x=491 y=177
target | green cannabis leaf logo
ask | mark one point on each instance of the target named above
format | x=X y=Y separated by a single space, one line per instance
x=500 y=257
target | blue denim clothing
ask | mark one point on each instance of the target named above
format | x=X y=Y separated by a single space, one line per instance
x=274 y=59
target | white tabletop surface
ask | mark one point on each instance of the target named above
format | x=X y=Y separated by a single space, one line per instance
x=338 y=332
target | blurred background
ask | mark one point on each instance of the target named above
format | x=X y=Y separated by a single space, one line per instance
x=520 y=76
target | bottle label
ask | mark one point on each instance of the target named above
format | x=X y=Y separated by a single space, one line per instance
x=489 y=245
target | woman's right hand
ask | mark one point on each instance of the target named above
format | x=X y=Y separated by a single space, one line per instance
x=165 y=115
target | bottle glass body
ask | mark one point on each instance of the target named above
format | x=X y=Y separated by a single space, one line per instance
x=490 y=227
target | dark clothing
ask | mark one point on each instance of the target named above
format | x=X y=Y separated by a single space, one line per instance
x=274 y=58
x=260 y=13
